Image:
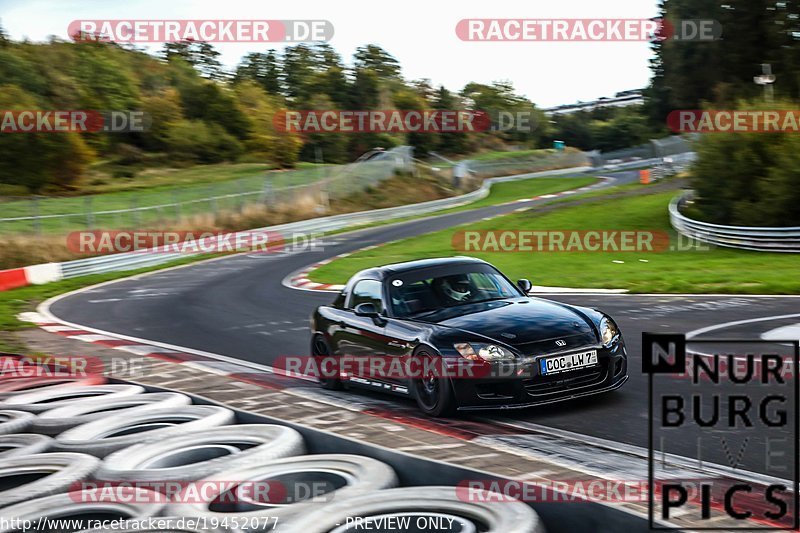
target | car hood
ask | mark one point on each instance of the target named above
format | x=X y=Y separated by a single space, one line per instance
x=524 y=323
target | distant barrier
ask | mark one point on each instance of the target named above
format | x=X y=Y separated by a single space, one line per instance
x=741 y=237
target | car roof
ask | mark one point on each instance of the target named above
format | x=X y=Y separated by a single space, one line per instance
x=385 y=271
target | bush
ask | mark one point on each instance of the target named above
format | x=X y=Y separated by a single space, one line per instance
x=199 y=141
x=748 y=179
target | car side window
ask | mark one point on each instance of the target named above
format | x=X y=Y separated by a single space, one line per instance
x=367 y=291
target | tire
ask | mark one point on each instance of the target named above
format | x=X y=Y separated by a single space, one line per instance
x=434 y=395
x=349 y=475
x=321 y=348
x=13 y=386
x=106 y=435
x=195 y=455
x=15 y=421
x=58 y=420
x=498 y=516
x=17 y=444
x=49 y=398
x=77 y=505
x=59 y=471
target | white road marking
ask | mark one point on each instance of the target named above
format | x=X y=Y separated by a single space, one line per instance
x=783 y=333
x=723 y=325
x=92 y=337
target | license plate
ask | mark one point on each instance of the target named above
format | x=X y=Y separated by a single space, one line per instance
x=566 y=363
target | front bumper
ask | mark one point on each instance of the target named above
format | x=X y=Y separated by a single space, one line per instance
x=609 y=374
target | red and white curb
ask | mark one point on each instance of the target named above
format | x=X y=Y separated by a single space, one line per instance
x=299 y=279
x=30 y=275
x=209 y=362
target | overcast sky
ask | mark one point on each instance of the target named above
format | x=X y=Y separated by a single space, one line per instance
x=419 y=33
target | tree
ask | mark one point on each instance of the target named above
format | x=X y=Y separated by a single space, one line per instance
x=164 y=110
x=201 y=55
x=4 y=40
x=272 y=74
x=450 y=142
x=39 y=161
x=373 y=57
x=265 y=141
x=423 y=142
x=299 y=67
x=212 y=103
x=330 y=78
x=750 y=179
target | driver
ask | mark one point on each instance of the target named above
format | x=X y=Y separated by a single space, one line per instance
x=454 y=289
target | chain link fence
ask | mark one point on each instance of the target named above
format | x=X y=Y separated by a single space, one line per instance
x=538 y=162
x=39 y=215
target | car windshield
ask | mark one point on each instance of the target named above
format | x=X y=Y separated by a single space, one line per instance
x=419 y=296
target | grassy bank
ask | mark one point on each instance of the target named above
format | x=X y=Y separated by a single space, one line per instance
x=695 y=270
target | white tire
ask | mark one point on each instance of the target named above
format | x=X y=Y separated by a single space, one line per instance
x=57 y=470
x=74 y=414
x=16 y=444
x=199 y=454
x=15 y=421
x=106 y=435
x=48 y=398
x=344 y=476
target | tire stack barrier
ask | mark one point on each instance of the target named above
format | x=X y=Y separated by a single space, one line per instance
x=64 y=441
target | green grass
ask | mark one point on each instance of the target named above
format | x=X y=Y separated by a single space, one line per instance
x=715 y=270
x=509 y=191
x=517 y=154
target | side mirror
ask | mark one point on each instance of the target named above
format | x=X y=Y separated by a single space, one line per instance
x=525 y=285
x=366 y=309
x=369 y=310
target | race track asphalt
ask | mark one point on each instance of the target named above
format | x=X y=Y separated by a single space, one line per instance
x=238 y=307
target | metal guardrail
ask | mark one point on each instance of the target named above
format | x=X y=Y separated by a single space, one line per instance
x=741 y=237
x=315 y=226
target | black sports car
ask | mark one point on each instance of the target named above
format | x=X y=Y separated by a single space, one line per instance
x=455 y=333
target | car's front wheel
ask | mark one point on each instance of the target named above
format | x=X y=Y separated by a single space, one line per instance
x=319 y=350
x=433 y=393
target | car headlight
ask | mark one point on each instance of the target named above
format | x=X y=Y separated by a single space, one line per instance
x=608 y=332
x=482 y=352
